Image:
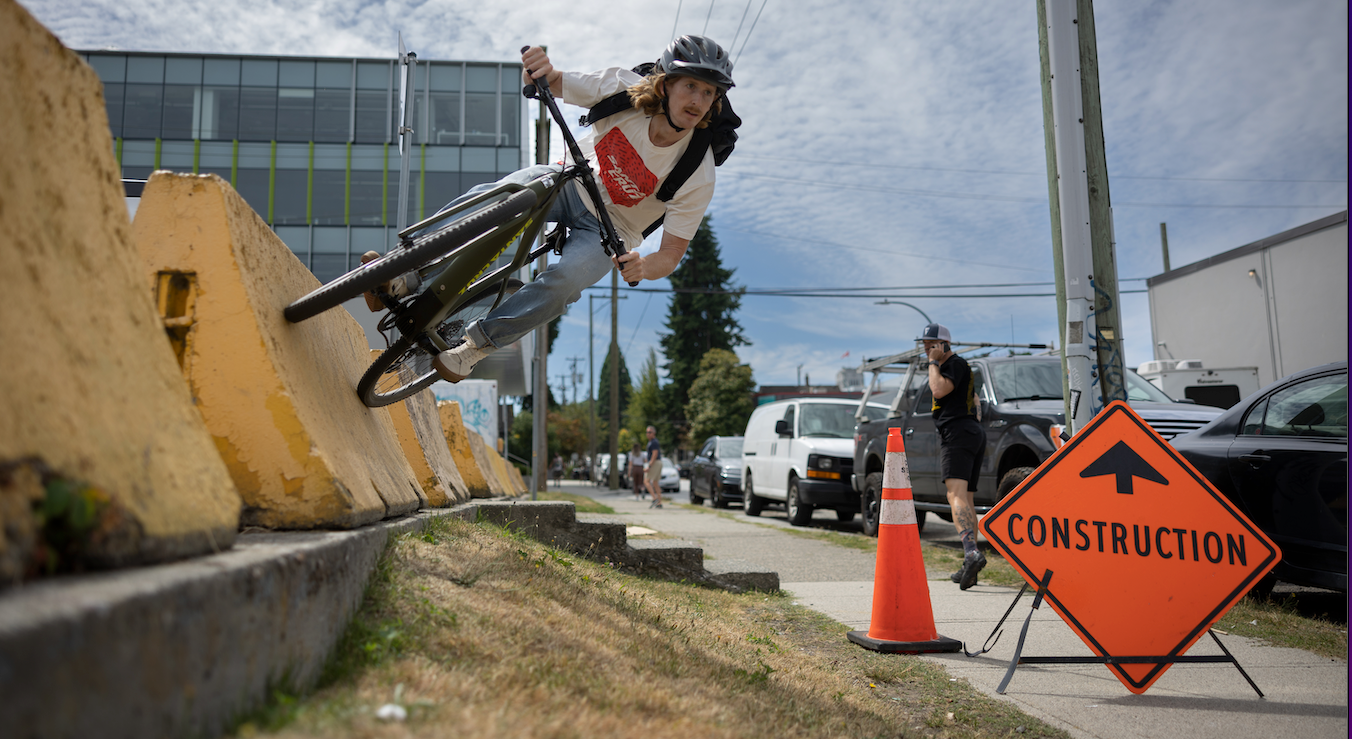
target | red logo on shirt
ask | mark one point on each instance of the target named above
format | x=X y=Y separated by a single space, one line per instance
x=626 y=177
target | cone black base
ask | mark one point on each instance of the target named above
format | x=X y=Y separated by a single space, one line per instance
x=941 y=644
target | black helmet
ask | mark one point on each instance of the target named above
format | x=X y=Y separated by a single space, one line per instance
x=698 y=57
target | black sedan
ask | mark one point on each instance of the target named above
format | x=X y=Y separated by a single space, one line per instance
x=1281 y=456
x=716 y=472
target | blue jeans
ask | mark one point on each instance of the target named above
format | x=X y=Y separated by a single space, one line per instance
x=582 y=265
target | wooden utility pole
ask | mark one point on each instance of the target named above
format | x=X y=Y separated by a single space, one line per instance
x=1053 y=195
x=1164 y=244
x=614 y=379
x=1081 y=210
x=1107 y=315
x=540 y=404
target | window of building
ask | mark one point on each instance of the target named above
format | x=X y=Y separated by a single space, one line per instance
x=290 y=188
x=365 y=205
x=365 y=239
x=481 y=105
x=216 y=157
x=328 y=246
x=414 y=191
x=330 y=184
x=138 y=159
x=252 y=176
x=441 y=177
x=297 y=239
x=143 y=105
x=176 y=156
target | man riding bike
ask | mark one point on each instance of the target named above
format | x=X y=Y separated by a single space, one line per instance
x=631 y=153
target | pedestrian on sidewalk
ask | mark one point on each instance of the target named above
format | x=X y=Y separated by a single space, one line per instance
x=636 y=471
x=556 y=471
x=962 y=442
x=653 y=468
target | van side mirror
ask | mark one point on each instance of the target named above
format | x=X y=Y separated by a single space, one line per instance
x=782 y=428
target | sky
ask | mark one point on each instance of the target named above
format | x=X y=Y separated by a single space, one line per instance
x=894 y=144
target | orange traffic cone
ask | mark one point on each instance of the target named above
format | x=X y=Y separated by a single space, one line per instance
x=903 y=620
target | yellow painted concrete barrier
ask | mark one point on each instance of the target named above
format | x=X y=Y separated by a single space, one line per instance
x=481 y=455
x=517 y=480
x=93 y=410
x=500 y=469
x=278 y=398
x=458 y=439
x=424 y=444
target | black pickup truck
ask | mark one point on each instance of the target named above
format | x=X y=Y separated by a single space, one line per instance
x=1021 y=410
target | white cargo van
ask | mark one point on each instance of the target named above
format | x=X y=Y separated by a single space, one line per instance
x=800 y=452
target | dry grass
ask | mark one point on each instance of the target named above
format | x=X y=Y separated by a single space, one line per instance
x=480 y=633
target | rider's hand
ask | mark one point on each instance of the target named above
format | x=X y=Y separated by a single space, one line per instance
x=536 y=63
x=631 y=266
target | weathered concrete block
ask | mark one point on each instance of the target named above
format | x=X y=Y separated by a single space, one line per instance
x=540 y=520
x=485 y=462
x=89 y=390
x=457 y=438
x=419 y=429
x=278 y=398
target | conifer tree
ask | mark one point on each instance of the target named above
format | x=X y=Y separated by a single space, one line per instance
x=702 y=316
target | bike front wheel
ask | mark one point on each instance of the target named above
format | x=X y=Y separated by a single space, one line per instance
x=408 y=258
x=406 y=368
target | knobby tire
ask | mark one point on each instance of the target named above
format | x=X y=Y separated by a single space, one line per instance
x=406 y=259
x=405 y=368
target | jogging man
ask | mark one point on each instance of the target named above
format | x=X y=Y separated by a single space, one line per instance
x=631 y=153
x=962 y=442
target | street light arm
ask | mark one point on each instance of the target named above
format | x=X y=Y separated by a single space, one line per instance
x=908 y=305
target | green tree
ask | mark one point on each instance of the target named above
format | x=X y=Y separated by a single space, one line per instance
x=647 y=407
x=603 y=401
x=701 y=316
x=720 y=398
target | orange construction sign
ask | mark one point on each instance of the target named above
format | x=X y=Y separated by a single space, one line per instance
x=1145 y=554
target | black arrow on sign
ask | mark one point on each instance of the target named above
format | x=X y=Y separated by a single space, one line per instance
x=1125 y=463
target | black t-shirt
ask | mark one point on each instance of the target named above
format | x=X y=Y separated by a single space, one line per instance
x=653 y=446
x=961 y=403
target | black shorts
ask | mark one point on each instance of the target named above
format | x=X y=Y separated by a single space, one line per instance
x=962 y=446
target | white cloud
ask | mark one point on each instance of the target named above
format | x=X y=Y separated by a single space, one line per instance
x=941 y=101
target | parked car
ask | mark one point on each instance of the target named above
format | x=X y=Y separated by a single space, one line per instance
x=716 y=472
x=799 y=452
x=1023 y=415
x=603 y=469
x=670 y=481
x=1280 y=455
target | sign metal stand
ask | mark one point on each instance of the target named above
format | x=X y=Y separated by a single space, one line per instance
x=1019 y=659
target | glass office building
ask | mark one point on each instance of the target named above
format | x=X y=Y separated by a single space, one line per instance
x=311 y=143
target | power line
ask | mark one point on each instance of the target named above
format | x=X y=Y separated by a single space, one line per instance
x=750 y=30
x=707 y=16
x=630 y=345
x=676 y=20
x=735 y=36
x=762 y=293
x=1002 y=198
x=869 y=165
x=890 y=252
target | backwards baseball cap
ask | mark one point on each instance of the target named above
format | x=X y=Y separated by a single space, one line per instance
x=935 y=332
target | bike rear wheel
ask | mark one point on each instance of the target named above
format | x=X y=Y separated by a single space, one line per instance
x=406 y=368
x=405 y=259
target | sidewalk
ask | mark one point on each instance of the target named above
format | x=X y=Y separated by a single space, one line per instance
x=1306 y=695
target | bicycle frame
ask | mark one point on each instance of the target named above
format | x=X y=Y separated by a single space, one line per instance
x=419 y=318
x=445 y=293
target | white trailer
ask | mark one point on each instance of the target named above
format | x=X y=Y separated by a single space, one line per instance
x=1187 y=379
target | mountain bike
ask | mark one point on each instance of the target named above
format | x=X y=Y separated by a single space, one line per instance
x=453 y=253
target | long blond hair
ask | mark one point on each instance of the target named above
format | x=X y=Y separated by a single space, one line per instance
x=644 y=96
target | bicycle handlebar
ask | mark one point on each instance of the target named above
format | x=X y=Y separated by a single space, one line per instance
x=610 y=238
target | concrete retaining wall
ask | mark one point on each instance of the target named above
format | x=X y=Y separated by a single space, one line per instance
x=278 y=398
x=90 y=392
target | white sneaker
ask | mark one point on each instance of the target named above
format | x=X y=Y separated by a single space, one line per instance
x=455 y=364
